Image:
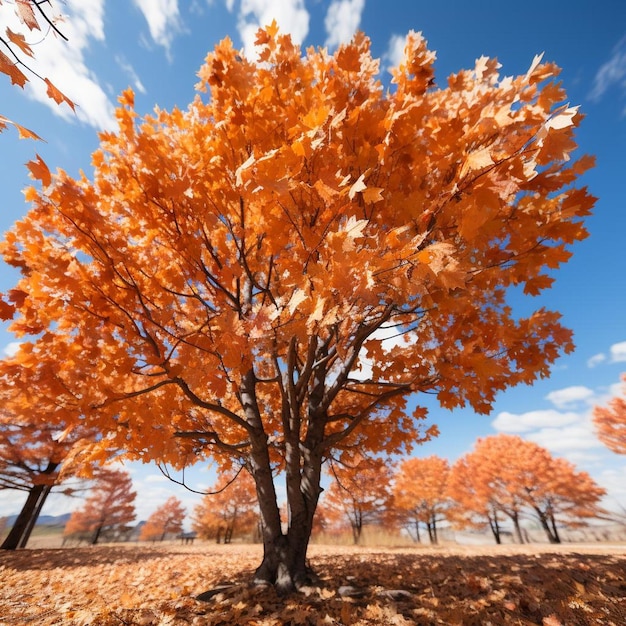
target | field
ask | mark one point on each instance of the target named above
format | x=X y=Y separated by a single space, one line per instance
x=144 y=584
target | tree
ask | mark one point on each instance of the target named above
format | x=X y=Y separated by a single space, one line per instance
x=167 y=519
x=39 y=436
x=32 y=16
x=108 y=511
x=359 y=492
x=472 y=504
x=562 y=494
x=227 y=284
x=610 y=422
x=419 y=493
x=531 y=478
x=230 y=506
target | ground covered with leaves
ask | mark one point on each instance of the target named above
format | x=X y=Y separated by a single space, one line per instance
x=138 y=584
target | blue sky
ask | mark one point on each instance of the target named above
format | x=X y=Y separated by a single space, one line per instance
x=157 y=46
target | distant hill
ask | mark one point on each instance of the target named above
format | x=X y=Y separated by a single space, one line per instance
x=44 y=520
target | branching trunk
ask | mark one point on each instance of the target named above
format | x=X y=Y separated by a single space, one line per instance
x=495 y=527
x=550 y=529
x=20 y=533
x=518 y=531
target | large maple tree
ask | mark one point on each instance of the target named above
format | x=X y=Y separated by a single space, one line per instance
x=226 y=282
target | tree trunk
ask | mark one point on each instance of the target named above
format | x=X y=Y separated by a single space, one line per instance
x=495 y=528
x=284 y=554
x=20 y=533
x=96 y=536
x=557 y=538
x=553 y=537
x=518 y=531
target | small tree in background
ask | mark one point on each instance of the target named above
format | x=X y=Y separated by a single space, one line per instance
x=419 y=494
x=37 y=455
x=516 y=476
x=108 y=511
x=167 y=519
x=359 y=493
x=231 y=508
x=610 y=422
x=472 y=504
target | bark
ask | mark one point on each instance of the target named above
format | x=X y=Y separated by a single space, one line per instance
x=43 y=496
x=20 y=533
x=284 y=553
x=495 y=528
x=518 y=531
x=16 y=535
x=551 y=532
x=554 y=529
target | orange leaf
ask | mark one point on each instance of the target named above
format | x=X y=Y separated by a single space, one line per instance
x=12 y=71
x=25 y=133
x=6 y=310
x=19 y=40
x=39 y=171
x=58 y=96
x=24 y=10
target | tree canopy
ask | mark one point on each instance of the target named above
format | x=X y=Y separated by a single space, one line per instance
x=269 y=275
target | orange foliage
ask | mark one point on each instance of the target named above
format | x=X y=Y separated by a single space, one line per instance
x=419 y=493
x=610 y=422
x=359 y=494
x=509 y=475
x=227 y=283
x=108 y=511
x=230 y=509
x=32 y=16
x=167 y=519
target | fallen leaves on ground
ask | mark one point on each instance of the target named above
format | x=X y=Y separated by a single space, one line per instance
x=157 y=584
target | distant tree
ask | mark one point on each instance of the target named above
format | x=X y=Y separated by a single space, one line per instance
x=419 y=494
x=515 y=476
x=167 y=519
x=231 y=508
x=225 y=281
x=561 y=495
x=39 y=438
x=108 y=511
x=15 y=50
x=610 y=422
x=359 y=493
x=471 y=502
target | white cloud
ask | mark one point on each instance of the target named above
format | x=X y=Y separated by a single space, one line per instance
x=129 y=70
x=532 y=420
x=63 y=63
x=11 y=348
x=618 y=352
x=395 y=50
x=342 y=20
x=596 y=359
x=290 y=15
x=565 y=398
x=163 y=20
x=566 y=441
x=612 y=73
